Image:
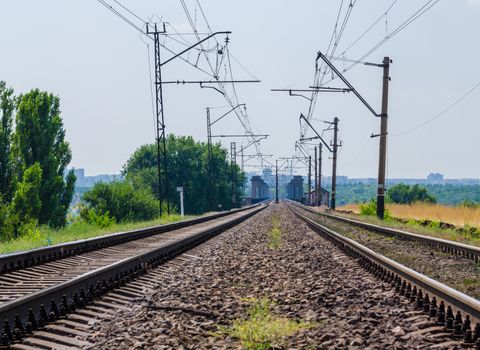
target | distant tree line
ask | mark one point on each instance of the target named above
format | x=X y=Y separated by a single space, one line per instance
x=135 y=197
x=34 y=186
x=443 y=194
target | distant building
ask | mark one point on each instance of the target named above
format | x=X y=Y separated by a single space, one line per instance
x=435 y=178
x=90 y=181
x=324 y=197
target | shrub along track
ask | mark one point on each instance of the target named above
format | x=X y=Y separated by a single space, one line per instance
x=455 y=270
x=35 y=296
x=195 y=300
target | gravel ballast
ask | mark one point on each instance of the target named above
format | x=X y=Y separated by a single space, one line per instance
x=456 y=271
x=305 y=277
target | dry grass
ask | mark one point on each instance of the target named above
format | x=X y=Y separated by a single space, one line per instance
x=458 y=216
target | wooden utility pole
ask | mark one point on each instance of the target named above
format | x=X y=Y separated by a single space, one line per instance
x=316 y=174
x=334 y=166
x=383 y=141
x=309 y=196
x=320 y=198
x=276 y=181
x=233 y=160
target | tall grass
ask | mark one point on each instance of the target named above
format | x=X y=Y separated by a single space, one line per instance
x=458 y=216
x=45 y=236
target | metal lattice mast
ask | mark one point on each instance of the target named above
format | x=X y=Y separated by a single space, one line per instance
x=160 y=123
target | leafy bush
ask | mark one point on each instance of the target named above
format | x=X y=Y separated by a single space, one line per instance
x=370 y=209
x=120 y=201
x=405 y=194
x=97 y=219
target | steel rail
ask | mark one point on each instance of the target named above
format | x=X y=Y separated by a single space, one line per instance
x=419 y=288
x=448 y=246
x=19 y=260
x=30 y=312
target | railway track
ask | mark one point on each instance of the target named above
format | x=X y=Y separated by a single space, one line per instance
x=444 y=245
x=41 y=286
x=453 y=311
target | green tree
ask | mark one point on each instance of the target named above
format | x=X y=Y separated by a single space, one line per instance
x=40 y=138
x=119 y=200
x=26 y=202
x=188 y=167
x=7 y=108
x=405 y=194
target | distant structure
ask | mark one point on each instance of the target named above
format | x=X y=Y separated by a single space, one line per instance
x=435 y=178
x=268 y=176
x=260 y=189
x=295 y=188
x=90 y=181
x=324 y=197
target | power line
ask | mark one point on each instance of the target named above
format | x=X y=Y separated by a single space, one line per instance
x=140 y=30
x=133 y=14
x=319 y=76
x=369 y=28
x=448 y=108
x=362 y=150
x=428 y=5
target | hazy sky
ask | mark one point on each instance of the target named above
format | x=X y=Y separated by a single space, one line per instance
x=98 y=66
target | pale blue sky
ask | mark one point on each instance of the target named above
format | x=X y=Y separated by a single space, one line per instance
x=98 y=66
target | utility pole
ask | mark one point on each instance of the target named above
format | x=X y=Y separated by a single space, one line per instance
x=233 y=159
x=334 y=166
x=210 y=187
x=160 y=117
x=243 y=182
x=383 y=122
x=383 y=141
x=320 y=199
x=309 y=196
x=276 y=181
x=160 y=121
x=316 y=183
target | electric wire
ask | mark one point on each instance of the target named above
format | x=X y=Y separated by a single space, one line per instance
x=130 y=12
x=319 y=76
x=441 y=113
x=428 y=5
x=136 y=27
x=151 y=86
x=233 y=101
x=362 y=150
x=369 y=28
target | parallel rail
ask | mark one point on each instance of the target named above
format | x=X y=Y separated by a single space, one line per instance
x=446 y=245
x=26 y=314
x=452 y=309
x=19 y=260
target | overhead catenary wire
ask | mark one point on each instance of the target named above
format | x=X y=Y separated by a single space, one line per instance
x=417 y=14
x=232 y=100
x=319 y=76
x=139 y=29
x=130 y=12
x=369 y=28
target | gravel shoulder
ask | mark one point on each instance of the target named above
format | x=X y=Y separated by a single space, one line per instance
x=455 y=271
x=306 y=278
